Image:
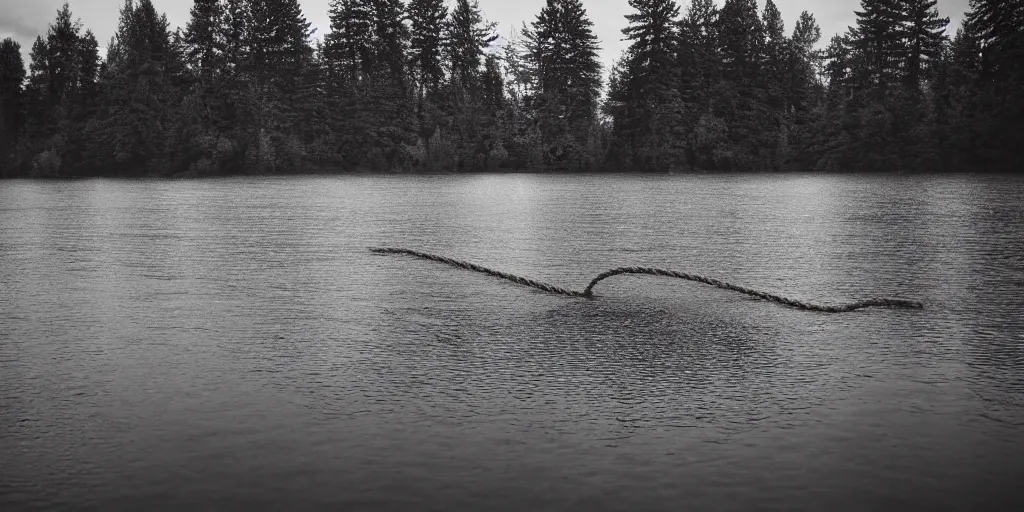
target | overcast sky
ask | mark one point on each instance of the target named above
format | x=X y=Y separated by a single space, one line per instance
x=24 y=19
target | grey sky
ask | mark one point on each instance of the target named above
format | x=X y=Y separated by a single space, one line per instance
x=24 y=19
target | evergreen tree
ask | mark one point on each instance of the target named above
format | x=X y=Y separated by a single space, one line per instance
x=925 y=37
x=348 y=48
x=278 y=39
x=804 y=93
x=652 y=32
x=141 y=93
x=775 y=55
x=803 y=63
x=206 y=113
x=838 y=69
x=466 y=138
x=998 y=27
x=562 y=56
x=467 y=35
x=699 y=66
x=741 y=36
x=877 y=41
x=62 y=77
x=12 y=114
x=777 y=118
x=743 y=101
x=956 y=129
x=390 y=38
x=369 y=93
x=426 y=46
x=427 y=19
x=698 y=56
x=643 y=99
x=204 y=37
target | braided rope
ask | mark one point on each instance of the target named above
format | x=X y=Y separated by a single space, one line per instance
x=589 y=290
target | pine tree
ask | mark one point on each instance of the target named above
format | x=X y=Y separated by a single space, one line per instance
x=235 y=29
x=427 y=18
x=742 y=100
x=652 y=30
x=467 y=35
x=12 y=114
x=468 y=125
x=925 y=37
x=644 y=96
x=59 y=91
x=998 y=27
x=391 y=38
x=838 y=69
x=804 y=93
x=803 y=62
x=562 y=57
x=775 y=50
x=134 y=131
x=278 y=37
x=956 y=80
x=348 y=48
x=204 y=37
x=877 y=40
x=206 y=114
x=741 y=36
x=699 y=66
x=698 y=58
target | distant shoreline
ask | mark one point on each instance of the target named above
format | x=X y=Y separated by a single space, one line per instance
x=369 y=173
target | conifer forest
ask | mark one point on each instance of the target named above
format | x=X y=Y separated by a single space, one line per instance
x=428 y=86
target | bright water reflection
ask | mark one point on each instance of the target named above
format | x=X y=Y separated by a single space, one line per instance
x=229 y=343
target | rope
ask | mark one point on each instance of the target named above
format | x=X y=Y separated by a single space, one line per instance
x=589 y=290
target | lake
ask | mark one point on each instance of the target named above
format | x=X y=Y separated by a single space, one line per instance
x=231 y=343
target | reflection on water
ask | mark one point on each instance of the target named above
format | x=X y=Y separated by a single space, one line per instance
x=229 y=343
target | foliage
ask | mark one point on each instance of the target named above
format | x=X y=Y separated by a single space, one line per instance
x=427 y=85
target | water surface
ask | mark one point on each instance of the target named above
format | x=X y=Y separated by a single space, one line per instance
x=231 y=343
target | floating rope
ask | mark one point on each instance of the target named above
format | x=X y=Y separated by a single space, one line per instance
x=589 y=290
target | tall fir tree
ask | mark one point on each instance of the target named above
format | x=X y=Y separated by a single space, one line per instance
x=426 y=20
x=348 y=48
x=391 y=37
x=562 y=57
x=698 y=53
x=59 y=91
x=925 y=38
x=645 y=90
x=998 y=26
x=803 y=62
x=743 y=104
x=204 y=37
x=699 y=63
x=134 y=131
x=467 y=35
x=804 y=93
x=774 y=52
x=741 y=36
x=877 y=42
x=12 y=111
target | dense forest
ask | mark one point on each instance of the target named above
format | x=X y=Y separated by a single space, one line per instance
x=421 y=85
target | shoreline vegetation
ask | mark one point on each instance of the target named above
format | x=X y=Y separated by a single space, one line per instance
x=428 y=87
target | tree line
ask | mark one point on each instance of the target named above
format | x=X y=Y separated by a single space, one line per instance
x=421 y=85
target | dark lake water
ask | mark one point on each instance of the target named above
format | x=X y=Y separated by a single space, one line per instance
x=232 y=344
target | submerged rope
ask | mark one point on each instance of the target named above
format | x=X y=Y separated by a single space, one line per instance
x=589 y=290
